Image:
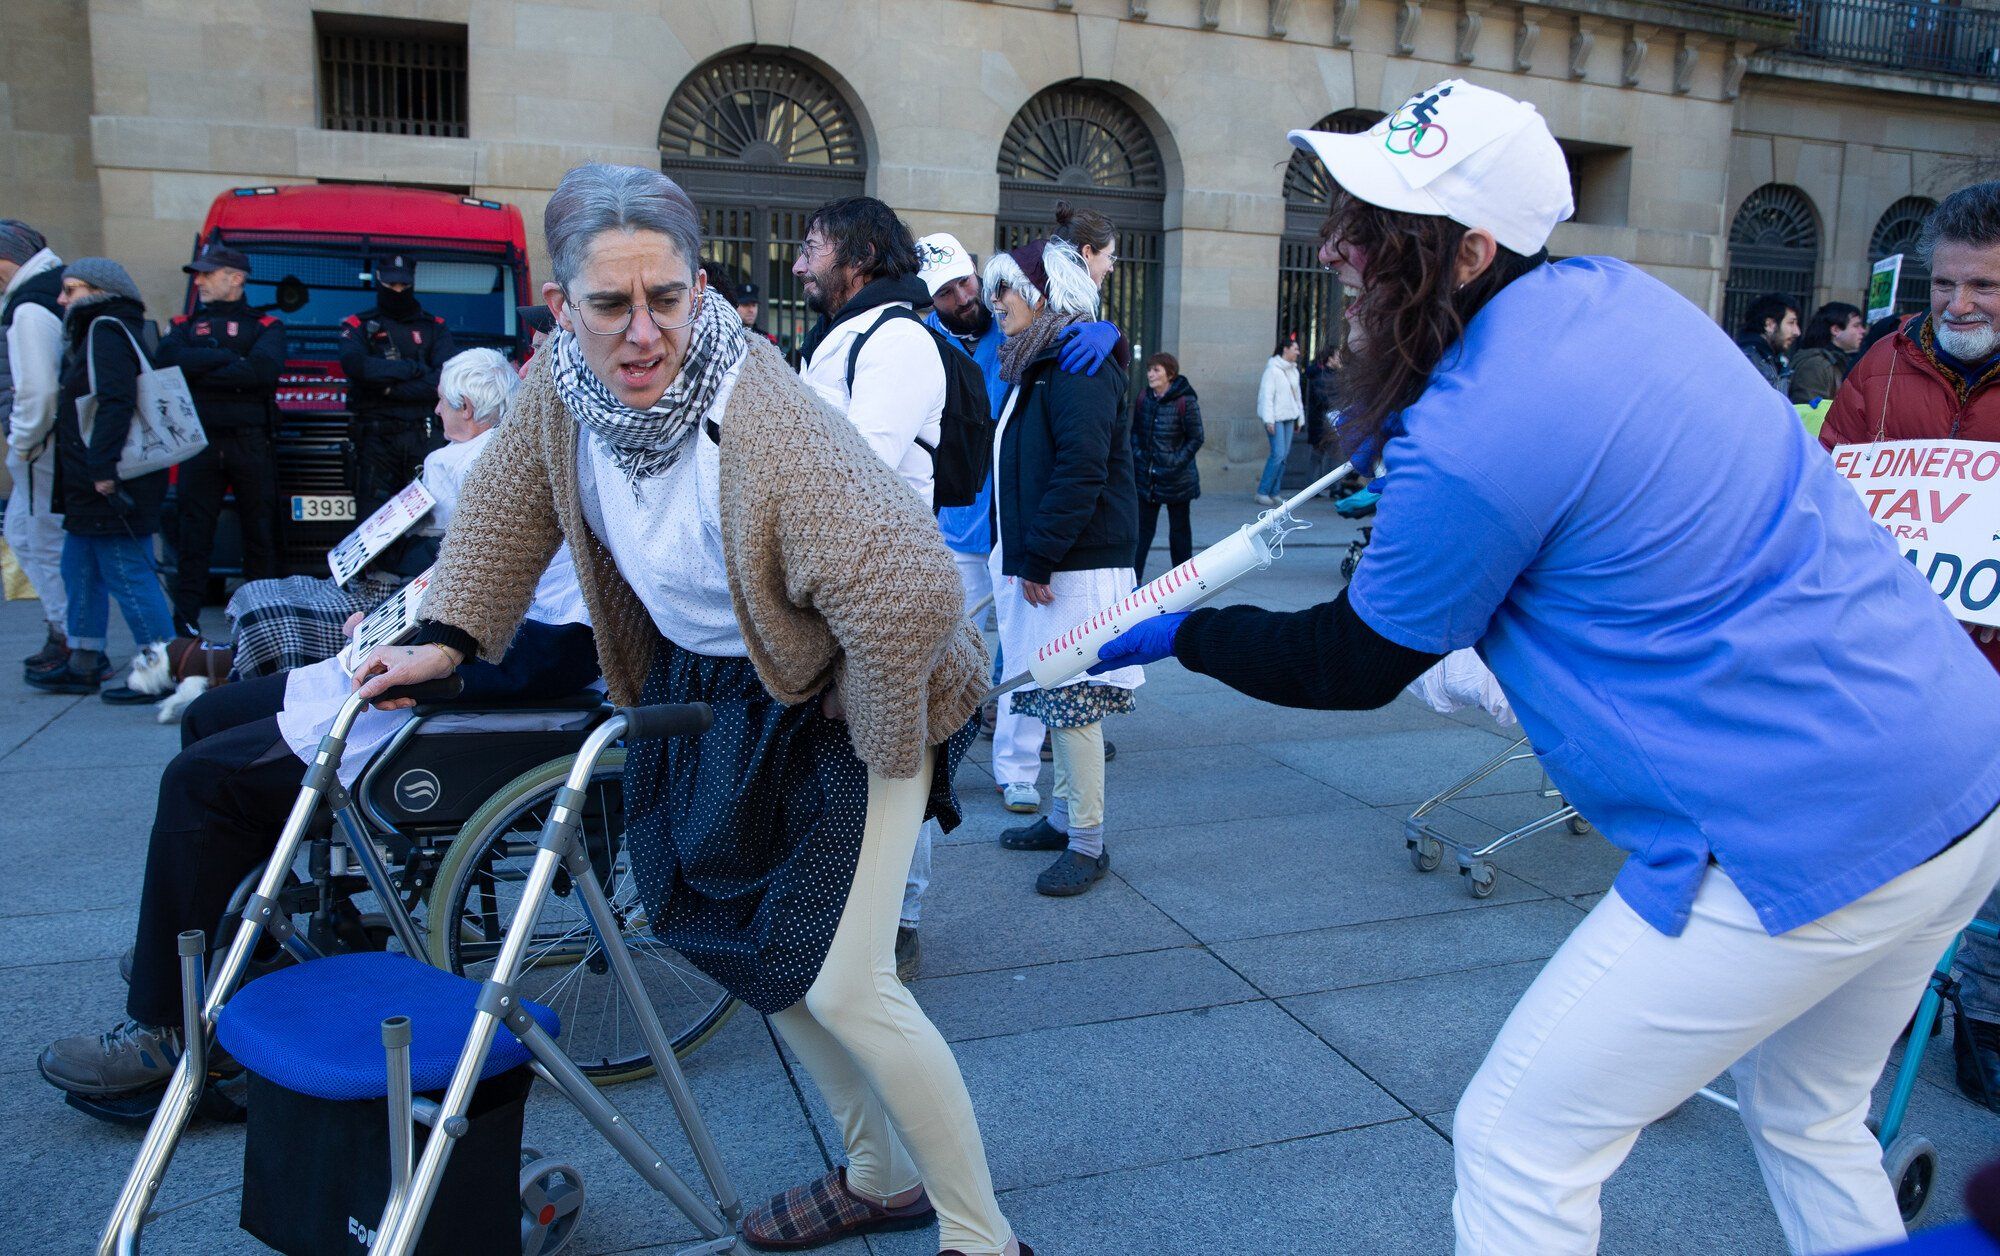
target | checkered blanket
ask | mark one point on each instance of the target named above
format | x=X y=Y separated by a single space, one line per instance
x=295 y=622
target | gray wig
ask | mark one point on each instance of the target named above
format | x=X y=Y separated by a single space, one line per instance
x=598 y=197
x=1070 y=288
x=480 y=380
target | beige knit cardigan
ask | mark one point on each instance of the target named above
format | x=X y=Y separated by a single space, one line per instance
x=837 y=574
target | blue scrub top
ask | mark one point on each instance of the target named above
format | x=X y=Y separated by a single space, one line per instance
x=1714 y=650
x=968 y=529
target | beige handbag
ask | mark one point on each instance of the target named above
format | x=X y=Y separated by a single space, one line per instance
x=165 y=430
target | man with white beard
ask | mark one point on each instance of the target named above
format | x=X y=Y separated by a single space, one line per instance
x=1938 y=377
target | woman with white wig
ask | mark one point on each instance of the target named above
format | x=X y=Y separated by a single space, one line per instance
x=1067 y=515
x=739 y=544
x=297 y=620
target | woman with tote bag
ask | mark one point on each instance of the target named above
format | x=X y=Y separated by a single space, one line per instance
x=108 y=522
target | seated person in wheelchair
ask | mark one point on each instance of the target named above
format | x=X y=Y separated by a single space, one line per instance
x=224 y=798
x=291 y=622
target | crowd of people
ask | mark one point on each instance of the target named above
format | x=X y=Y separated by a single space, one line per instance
x=811 y=548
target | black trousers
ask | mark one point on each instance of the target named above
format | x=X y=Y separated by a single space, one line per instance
x=238 y=458
x=1180 y=534
x=388 y=454
x=222 y=801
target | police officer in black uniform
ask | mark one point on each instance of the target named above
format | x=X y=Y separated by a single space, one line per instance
x=231 y=354
x=392 y=355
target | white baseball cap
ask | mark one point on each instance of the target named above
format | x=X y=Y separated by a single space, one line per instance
x=941 y=259
x=1460 y=152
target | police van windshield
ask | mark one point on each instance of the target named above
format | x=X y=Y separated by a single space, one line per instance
x=475 y=298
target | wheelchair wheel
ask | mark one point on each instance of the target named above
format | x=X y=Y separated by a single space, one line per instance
x=478 y=890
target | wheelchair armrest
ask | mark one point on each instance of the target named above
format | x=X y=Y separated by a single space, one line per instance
x=581 y=703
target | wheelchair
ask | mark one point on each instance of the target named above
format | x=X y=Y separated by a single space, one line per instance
x=441 y=827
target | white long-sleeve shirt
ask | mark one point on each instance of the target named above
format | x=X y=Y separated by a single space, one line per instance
x=1278 y=393
x=899 y=390
x=34 y=359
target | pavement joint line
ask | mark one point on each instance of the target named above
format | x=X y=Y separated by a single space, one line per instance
x=39 y=729
x=1117 y=1020
x=1067 y=959
x=1279 y=1004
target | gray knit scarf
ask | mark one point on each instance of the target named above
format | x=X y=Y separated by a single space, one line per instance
x=1017 y=351
x=646 y=442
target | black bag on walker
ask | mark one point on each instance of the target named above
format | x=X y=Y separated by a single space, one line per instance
x=316 y=1156
x=316 y=1172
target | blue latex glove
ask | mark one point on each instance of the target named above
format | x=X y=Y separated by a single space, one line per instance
x=1146 y=642
x=1084 y=347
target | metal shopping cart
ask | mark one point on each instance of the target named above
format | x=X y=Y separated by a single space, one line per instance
x=1426 y=842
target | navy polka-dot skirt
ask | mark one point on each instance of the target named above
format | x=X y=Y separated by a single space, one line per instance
x=744 y=840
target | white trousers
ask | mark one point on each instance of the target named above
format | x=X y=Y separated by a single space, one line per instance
x=1624 y=1023
x=35 y=533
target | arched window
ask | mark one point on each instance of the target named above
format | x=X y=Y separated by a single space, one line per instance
x=1079 y=143
x=1773 y=247
x=1308 y=294
x=1897 y=232
x=759 y=141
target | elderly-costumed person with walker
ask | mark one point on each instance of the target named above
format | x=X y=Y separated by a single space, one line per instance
x=738 y=544
x=1736 y=677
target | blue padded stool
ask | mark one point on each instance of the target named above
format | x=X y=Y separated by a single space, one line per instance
x=316 y=1153
x=316 y=1028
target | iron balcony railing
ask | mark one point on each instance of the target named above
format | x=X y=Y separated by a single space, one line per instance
x=1893 y=34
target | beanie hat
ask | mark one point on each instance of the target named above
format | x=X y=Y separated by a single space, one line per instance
x=1051 y=269
x=105 y=275
x=19 y=241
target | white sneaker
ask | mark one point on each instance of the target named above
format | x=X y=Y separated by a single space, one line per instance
x=1266 y=500
x=1025 y=799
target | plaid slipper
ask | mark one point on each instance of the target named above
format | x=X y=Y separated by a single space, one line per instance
x=825 y=1211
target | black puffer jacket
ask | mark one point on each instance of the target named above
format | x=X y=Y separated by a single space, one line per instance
x=1166 y=433
x=1064 y=494
x=133 y=509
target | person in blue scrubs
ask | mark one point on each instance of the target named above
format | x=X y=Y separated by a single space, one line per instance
x=1719 y=658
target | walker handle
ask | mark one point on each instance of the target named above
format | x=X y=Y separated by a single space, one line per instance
x=671 y=719
x=443 y=689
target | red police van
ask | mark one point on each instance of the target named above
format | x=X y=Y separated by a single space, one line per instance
x=312 y=250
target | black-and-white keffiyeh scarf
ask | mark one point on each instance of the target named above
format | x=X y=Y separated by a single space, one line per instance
x=646 y=442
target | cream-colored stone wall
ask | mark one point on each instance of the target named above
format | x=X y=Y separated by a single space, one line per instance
x=46 y=176
x=935 y=83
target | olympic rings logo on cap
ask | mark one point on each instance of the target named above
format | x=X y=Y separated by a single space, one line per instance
x=1423 y=139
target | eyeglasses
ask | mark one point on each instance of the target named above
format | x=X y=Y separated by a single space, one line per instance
x=612 y=317
x=809 y=249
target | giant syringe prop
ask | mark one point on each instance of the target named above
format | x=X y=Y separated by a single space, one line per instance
x=1250 y=548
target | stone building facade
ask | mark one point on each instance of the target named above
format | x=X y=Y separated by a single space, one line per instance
x=1761 y=136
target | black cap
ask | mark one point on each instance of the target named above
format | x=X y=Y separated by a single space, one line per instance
x=215 y=257
x=747 y=294
x=397 y=269
x=536 y=318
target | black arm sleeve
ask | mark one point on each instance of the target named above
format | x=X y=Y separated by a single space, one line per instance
x=432 y=633
x=1323 y=658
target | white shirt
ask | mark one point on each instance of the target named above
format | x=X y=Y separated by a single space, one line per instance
x=444 y=475
x=899 y=390
x=665 y=534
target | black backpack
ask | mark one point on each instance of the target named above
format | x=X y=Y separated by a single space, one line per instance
x=964 y=452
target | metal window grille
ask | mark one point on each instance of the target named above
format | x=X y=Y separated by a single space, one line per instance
x=1937 y=38
x=1309 y=297
x=392 y=83
x=1079 y=143
x=1773 y=247
x=1897 y=232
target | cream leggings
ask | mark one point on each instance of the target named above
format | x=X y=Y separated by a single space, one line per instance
x=885 y=1070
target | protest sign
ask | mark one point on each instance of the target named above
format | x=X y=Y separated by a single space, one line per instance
x=1882 y=283
x=392 y=623
x=1940 y=501
x=378 y=531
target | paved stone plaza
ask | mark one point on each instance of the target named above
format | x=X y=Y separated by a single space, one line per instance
x=1249 y=1038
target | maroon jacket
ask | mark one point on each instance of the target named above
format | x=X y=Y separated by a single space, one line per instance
x=1899 y=391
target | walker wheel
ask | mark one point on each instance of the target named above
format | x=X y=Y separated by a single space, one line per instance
x=1579 y=826
x=1483 y=878
x=551 y=1204
x=1912 y=1165
x=1426 y=853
